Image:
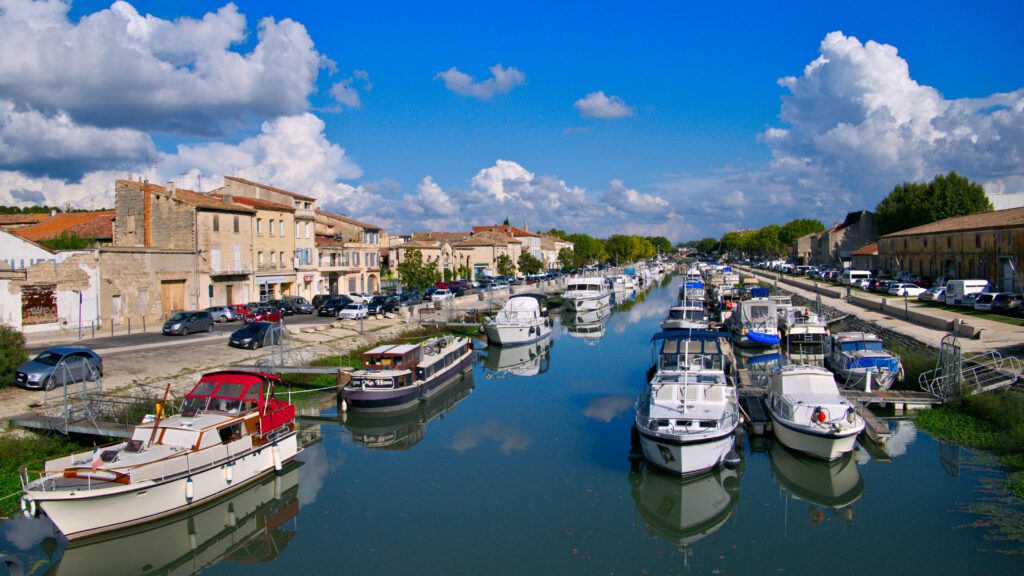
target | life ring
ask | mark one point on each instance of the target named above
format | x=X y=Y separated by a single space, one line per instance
x=29 y=508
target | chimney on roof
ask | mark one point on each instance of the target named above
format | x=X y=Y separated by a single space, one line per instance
x=229 y=198
x=169 y=188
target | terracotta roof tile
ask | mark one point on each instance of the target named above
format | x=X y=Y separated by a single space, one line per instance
x=13 y=219
x=97 y=224
x=255 y=202
x=328 y=241
x=869 y=250
x=436 y=236
x=205 y=201
x=980 y=221
x=348 y=220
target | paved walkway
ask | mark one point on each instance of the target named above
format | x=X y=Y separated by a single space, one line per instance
x=995 y=335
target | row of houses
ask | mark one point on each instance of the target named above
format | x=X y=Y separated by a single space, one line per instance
x=164 y=248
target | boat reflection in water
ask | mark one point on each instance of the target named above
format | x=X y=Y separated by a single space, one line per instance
x=250 y=526
x=402 y=431
x=835 y=485
x=588 y=325
x=527 y=360
x=684 y=511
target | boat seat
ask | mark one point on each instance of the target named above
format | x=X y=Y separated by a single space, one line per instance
x=715 y=394
x=666 y=394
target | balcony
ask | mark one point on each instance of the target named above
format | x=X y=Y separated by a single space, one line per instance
x=305 y=214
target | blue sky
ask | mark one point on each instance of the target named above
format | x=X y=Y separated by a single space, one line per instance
x=687 y=154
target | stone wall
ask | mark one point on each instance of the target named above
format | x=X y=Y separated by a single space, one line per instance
x=132 y=281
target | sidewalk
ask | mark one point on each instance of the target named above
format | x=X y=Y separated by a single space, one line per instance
x=994 y=335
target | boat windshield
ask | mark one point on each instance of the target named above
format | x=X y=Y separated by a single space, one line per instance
x=224 y=397
x=873 y=345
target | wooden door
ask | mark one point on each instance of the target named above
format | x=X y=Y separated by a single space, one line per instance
x=229 y=294
x=172 y=296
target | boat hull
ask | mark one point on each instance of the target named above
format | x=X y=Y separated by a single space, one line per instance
x=506 y=335
x=398 y=399
x=685 y=457
x=78 y=514
x=587 y=303
x=819 y=445
x=857 y=379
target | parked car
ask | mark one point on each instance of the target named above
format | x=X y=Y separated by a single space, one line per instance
x=264 y=314
x=499 y=285
x=429 y=292
x=353 y=311
x=241 y=309
x=441 y=295
x=933 y=295
x=333 y=305
x=256 y=335
x=58 y=366
x=360 y=297
x=983 y=301
x=319 y=299
x=184 y=323
x=409 y=297
x=903 y=289
x=301 y=305
x=223 y=313
x=284 y=305
x=1006 y=301
x=381 y=304
x=969 y=300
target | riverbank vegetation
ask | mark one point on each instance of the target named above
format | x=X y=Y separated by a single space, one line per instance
x=12 y=353
x=992 y=421
x=19 y=449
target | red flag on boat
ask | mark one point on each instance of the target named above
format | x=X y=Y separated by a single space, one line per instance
x=97 y=460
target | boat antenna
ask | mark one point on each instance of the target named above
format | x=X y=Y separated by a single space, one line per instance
x=159 y=412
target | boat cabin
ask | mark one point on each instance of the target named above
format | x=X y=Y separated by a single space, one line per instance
x=689 y=350
x=393 y=357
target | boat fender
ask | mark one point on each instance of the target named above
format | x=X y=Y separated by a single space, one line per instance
x=276 y=451
x=851 y=415
x=229 y=473
x=819 y=415
x=732 y=460
x=344 y=406
x=28 y=507
x=190 y=491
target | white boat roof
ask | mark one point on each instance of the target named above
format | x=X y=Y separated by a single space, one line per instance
x=858 y=336
x=379 y=349
x=522 y=304
x=805 y=380
x=402 y=348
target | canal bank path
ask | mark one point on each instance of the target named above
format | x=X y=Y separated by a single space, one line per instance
x=931 y=325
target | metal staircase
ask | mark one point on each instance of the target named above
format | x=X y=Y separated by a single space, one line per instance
x=957 y=374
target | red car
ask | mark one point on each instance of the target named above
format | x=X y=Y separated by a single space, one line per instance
x=242 y=309
x=263 y=314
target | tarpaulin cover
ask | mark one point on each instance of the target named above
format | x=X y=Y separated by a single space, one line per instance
x=885 y=363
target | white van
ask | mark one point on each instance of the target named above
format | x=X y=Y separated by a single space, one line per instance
x=956 y=290
x=855 y=277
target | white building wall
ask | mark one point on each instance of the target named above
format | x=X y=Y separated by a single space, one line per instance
x=16 y=253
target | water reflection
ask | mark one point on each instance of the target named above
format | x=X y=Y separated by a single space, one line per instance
x=607 y=408
x=588 y=325
x=835 y=484
x=685 y=511
x=527 y=360
x=251 y=526
x=404 y=430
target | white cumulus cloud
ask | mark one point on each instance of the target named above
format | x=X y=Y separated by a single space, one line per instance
x=502 y=81
x=599 y=105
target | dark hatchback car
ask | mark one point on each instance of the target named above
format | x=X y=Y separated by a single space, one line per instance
x=256 y=335
x=285 y=306
x=333 y=305
x=381 y=304
x=184 y=323
x=58 y=366
x=409 y=297
x=319 y=299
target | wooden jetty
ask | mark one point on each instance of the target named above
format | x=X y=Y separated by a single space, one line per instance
x=85 y=427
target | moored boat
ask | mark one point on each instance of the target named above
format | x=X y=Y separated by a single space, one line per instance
x=861 y=361
x=229 y=432
x=688 y=412
x=754 y=322
x=586 y=293
x=520 y=321
x=686 y=316
x=808 y=413
x=397 y=376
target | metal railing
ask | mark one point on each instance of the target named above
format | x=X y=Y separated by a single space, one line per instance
x=956 y=374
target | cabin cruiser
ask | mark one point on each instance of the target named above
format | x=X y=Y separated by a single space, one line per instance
x=403 y=430
x=397 y=376
x=249 y=526
x=586 y=294
x=692 y=291
x=861 y=361
x=688 y=412
x=521 y=320
x=688 y=315
x=588 y=325
x=808 y=413
x=528 y=360
x=230 y=431
x=802 y=326
x=622 y=284
x=754 y=322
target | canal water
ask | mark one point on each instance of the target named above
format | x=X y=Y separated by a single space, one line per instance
x=523 y=469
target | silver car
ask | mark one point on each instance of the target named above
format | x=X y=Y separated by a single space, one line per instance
x=222 y=313
x=58 y=366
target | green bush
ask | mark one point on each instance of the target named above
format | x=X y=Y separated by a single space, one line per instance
x=18 y=451
x=12 y=353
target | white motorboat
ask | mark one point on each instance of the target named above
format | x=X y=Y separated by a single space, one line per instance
x=686 y=316
x=230 y=431
x=754 y=322
x=586 y=293
x=803 y=326
x=688 y=412
x=861 y=361
x=808 y=413
x=622 y=284
x=520 y=321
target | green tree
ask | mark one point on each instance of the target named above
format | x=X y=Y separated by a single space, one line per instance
x=707 y=245
x=12 y=352
x=589 y=250
x=505 y=223
x=414 y=273
x=505 y=265
x=68 y=241
x=447 y=275
x=913 y=203
x=567 y=258
x=529 y=264
x=661 y=244
x=800 y=227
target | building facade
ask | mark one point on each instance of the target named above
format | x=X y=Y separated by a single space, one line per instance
x=985 y=246
x=835 y=246
x=349 y=254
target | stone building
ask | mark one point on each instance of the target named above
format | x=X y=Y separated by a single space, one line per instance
x=986 y=246
x=305 y=260
x=835 y=246
x=349 y=254
x=435 y=247
x=800 y=248
x=865 y=258
x=218 y=232
x=480 y=252
x=273 y=247
x=57 y=291
x=97 y=225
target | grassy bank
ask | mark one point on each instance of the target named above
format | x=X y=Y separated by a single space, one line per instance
x=915 y=361
x=992 y=421
x=17 y=450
